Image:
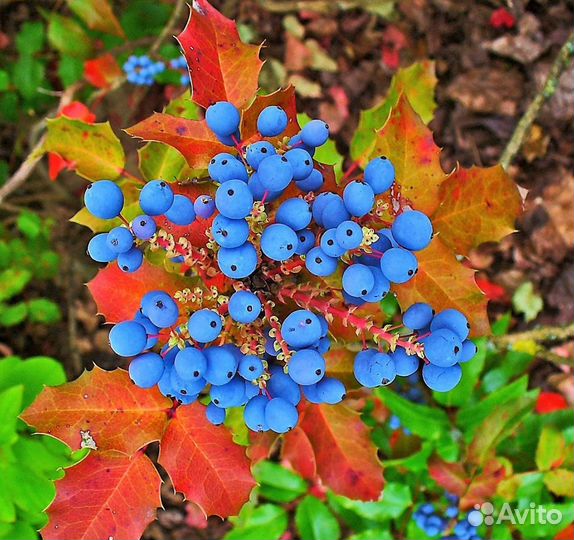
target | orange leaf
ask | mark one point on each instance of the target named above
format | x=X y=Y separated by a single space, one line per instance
x=478 y=205
x=107 y=495
x=340 y=362
x=103 y=71
x=104 y=407
x=261 y=445
x=118 y=295
x=409 y=144
x=444 y=283
x=483 y=485
x=204 y=463
x=221 y=66
x=346 y=457
x=298 y=452
x=192 y=138
x=451 y=476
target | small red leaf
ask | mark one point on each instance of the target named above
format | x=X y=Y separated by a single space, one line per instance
x=118 y=295
x=221 y=66
x=107 y=495
x=298 y=452
x=549 y=402
x=192 y=138
x=346 y=457
x=261 y=445
x=450 y=476
x=483 y=485
x=103 y=71
x=204 y=463
x=102 y=407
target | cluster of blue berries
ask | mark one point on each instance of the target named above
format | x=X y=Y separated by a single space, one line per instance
x=105 y=200
x=142 y=70
x=233 y=347
x=434 y=524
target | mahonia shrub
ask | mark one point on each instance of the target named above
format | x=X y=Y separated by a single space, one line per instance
x=244 y=275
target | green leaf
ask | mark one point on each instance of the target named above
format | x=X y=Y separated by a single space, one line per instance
x=471 y=371
x=415 y=462
x=10 y=407
x=30 y=38
x=44 y=311
x=29 y=224
x=264 y=522
x=546 y=529
x=278 y=483
x=98 y=15
x=4 y=81
x=70 y=70
x=12 y=282
x=235 y=423
x=158 y=160
x=527 y=302
x=501 y=326
x=314 y=521
x=424 y=421
x=373 y=534
x=68 y=37
x=12 y=315
x=471 y=415
x=94 y=148
x=327 y=153
x=28 y=76
x=9 y=107
x=560 y=482
x=417 y=82
x=144 y=18
x=19 y=531
x=551 y=448
x=46 y=265
x=509 y=366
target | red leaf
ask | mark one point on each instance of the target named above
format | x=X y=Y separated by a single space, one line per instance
x=502 y=18
x=493 y=292
x=192 y=138
x=103 y=71
x=104 y=406
x=261 y=445
x=221 y=66
x=118 y=295
x=204 y=463
x=346 y=457
x=394 y=41
x=298 y=452
x=451 y=476
x=108 y=495
x=484 y=485
x=549 y=402
x=56 y=164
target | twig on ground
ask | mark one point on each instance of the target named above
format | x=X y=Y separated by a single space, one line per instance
x=547 y=91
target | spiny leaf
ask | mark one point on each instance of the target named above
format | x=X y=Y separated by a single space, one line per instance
x=98 y=15
x=409 y=144
x=104 y=407
x=346 y=457
x=204 y=463
x=158 y=160
x=94 y=150
x=118 y=295
x=221 y=67
x=107 y=495
x=444 y=283
x=192 y=138
x=477 y=205
x=298 y=452
x=417 y=82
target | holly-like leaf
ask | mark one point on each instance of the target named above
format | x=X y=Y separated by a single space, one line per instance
x=346 y=457
x=93 y=149
x=451 y=476
x=103 y=71
x=192 y=138
x=98 y=15
x=204 y=463
x=221 y=66
x=477 y=205
x=118 y=295
x=107 y=495
x=409 y=144
x=285 y=99
x=298 y=452
x=417 y=82
x=158 y=160
x=102 y=409
x=444 y=283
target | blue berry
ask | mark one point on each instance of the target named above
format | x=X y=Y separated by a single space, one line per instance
x=295 y=213
x=128 y=338
x=222 y=364
x=313 y=182
x=259 y=191
x=204 y=206
x=362 y=369
x=181 y=212
x=239 y=262
x=190 y=363
x=442 y=347
x=319 y=205
x=258 y=151
x=272 y=121
x=418 y=316
x=254 y=414
x=349 y=235
x=380 y=289
x=215 y=414
x=306 y=239
x=319 y=263
x=204 y=325
x=330 y=245
x=156 y=198
x=468 y=352
x=161 y=309
x=225 y=167
x=453 y=320
x=278 y=242
x=335 y=213
x=331 y=390
x=412 y=230
x=359 y=198
x=353 y=300
x=150 y=328
x=222 y=118
x=99 y=250
x=315 y=133
x=250 y=367
x=188 y=389
x=380 y=175
x=233 y=199
x=144 y=227
x=306 y=367
x=104 y=199
x=230 y=233
x=229 y=394
x=131 y=260
x=358 y=280
x=146 y=370
x=297 y=142
x=399 y=265
x=301 y=329
x=120 y=240
x=280 y=415
x=405 y=364
x=244 y=307
x=275 y=173
x=441 y=379
x=301 y=163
